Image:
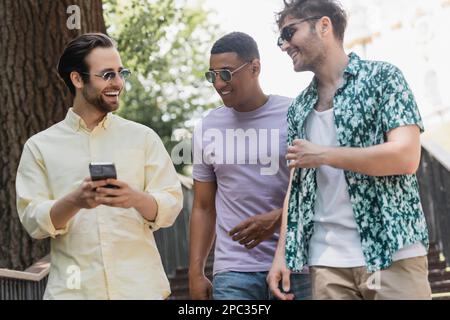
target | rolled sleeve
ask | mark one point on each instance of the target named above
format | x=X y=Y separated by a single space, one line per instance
x=34 y=200
x=169 y=206
x=162 y=183
x=37 y=221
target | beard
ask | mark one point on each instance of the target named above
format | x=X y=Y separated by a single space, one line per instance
x=314 y=53
x=315 y=61
x=95 y=98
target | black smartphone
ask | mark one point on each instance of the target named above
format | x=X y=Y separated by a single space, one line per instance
x=103 y=171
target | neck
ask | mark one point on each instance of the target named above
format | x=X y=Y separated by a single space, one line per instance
x=89 y=113
x=257 y=100
x=331 y=71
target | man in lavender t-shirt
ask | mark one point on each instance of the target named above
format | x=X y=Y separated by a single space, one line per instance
x=240 y=179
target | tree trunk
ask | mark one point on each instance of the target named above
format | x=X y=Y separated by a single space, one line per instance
x=33 y=34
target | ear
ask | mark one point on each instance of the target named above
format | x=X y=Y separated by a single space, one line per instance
x=256 y=67
x=76 y=79
x=324 y=27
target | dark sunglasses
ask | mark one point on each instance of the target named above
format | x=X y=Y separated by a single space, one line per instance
x=288 y=32
x=224 y=74
x=110 y=75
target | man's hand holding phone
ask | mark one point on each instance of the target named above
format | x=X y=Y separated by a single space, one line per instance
x=111 y=192
x=120 y=196
x=84 y=196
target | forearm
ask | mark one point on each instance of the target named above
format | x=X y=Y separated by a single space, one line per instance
x=146 y=205
x=278 y=215
x=390 y=158
x=284 y=218
x=63 y=210
x=202 y=234
x=283 y=228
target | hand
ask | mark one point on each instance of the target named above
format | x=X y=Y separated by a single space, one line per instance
x=200 y=288
x=122 y=197
x=279 y=272
x=304 y=154
x=84 y=196
x=256 y=229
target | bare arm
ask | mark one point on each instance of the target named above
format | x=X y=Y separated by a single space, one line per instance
x=283 y=229
x=399 y=155
x=201 y=238
x=279 y=271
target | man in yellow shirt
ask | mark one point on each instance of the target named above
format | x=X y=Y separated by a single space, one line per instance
x=102 y=244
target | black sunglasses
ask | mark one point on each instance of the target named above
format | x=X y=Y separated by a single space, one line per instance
x=225 y=74
x=287 y=32
x=110 y=75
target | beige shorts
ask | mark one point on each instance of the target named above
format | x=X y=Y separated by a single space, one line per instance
x=404 y=280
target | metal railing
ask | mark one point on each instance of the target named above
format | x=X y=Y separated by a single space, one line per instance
x=173 y=242
x=25 y=285
x=434 y=183
x=17 y=289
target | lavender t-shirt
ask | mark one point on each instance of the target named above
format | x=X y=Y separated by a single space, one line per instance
x=244 y=152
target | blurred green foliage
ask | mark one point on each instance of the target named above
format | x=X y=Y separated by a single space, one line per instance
x=166 y=44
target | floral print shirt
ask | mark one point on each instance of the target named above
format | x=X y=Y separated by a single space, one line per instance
x=374 y=99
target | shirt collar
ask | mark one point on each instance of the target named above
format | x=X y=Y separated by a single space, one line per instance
x=106 y=121
x=353 y=66
x=76 y=122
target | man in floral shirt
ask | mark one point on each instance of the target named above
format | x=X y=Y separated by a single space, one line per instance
x=353 y=213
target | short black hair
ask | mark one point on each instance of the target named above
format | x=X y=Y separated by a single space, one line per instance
x=308 y=8
x=241 y=43
x=74 y=54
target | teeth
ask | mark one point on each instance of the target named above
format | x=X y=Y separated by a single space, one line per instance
x=224 y=93
x=112 y=93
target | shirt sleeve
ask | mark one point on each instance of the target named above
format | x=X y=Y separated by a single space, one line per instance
x=398 y=105
x=202 y=170
x=34 y=198
x=292 y=129
x=161 y=181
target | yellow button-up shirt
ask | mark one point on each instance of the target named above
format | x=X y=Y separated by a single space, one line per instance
x=105 y=252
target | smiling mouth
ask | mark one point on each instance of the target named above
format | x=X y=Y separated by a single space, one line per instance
x=111 y=96
x=112 y=93
x=294 y=54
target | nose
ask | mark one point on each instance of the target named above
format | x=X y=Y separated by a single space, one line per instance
x=285 y=46
x=219 y=83
x=118 y=81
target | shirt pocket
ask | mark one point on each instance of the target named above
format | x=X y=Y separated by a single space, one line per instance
x=130 y=167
